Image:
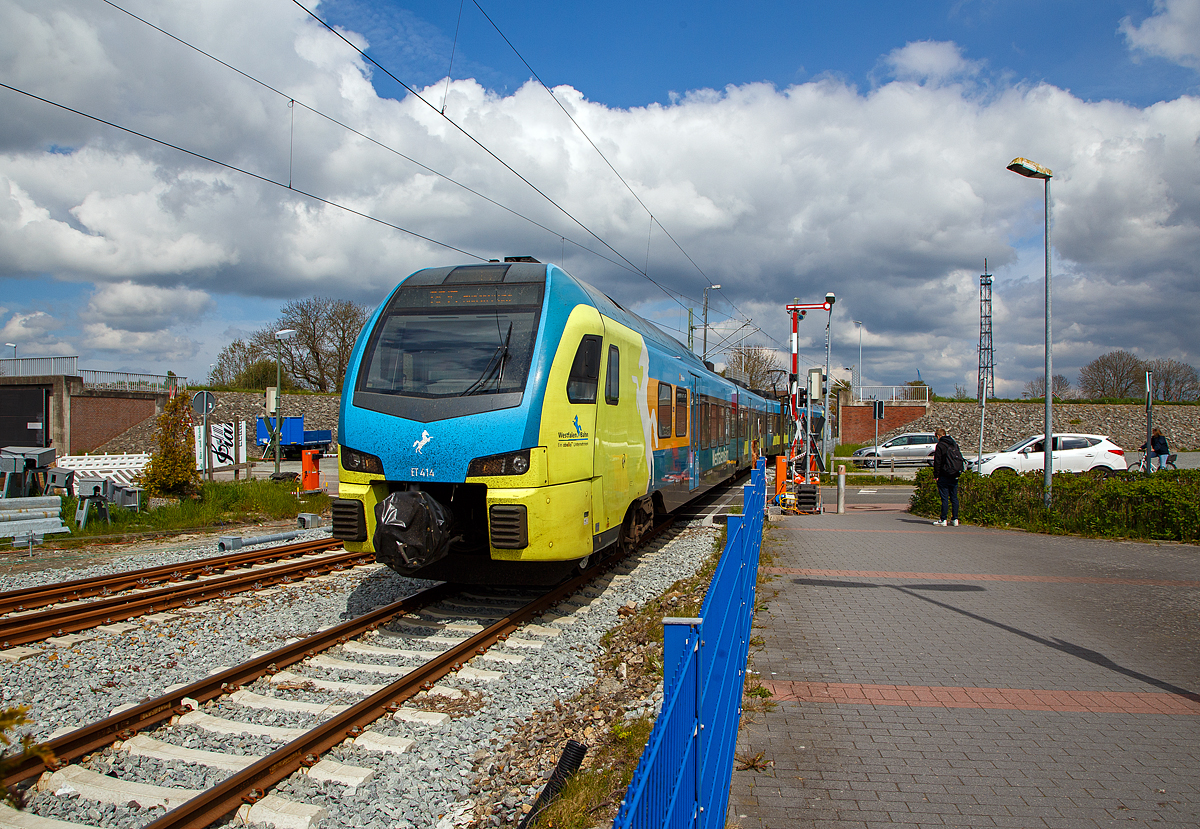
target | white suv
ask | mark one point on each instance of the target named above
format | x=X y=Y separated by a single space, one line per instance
x=1071 y=453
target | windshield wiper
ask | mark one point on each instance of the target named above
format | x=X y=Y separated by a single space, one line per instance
x=495 y=364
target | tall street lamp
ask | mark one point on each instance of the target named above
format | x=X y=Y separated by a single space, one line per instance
x=280 y=336
x=829 y=300
x=704 y=346
x=1030 y=169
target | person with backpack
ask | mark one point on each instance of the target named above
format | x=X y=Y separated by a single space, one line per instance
x=948 y=464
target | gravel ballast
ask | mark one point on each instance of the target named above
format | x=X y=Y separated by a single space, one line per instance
x=415 y=789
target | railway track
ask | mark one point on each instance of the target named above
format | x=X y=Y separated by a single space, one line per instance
x=443 y=629
x=31 y=598
x=19 y=628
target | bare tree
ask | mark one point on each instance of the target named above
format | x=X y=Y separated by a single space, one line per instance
x=756 y=362
x=1173 y=381
x=1115 y=374
x=1037 y=387
x=316 y=358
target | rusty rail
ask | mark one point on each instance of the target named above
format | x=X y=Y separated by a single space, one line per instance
x=30 y=598
x=32 y=627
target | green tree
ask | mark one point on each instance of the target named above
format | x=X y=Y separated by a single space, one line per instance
x=172 y=468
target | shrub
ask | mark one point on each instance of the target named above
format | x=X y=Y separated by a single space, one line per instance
x=172 y=468
x=1163 y=506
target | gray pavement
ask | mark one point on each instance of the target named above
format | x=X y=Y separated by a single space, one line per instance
x=931 y=676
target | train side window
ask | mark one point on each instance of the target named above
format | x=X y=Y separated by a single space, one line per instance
x=681 y=411
x=664 y=410
x=585 y=371
x=612 y=382
x=705 y=432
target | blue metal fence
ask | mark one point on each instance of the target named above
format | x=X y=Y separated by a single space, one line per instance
x=682 y=779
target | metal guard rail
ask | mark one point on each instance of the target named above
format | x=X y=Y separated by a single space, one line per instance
x=683 y=776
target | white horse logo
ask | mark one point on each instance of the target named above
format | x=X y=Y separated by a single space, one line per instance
x=420 y=444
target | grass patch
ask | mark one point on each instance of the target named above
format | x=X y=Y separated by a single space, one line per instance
x=845 y=450
x=218 y=504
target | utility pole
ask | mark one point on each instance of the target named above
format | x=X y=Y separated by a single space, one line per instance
x=986 y=377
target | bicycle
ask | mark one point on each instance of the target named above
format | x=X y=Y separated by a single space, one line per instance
x=1140 y=465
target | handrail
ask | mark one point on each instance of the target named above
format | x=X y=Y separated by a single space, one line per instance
x=891 y=394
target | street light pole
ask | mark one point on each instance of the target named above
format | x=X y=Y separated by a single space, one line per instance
x=1030 y=169
x=829 y=300
x=704 y=346
x=280 y=336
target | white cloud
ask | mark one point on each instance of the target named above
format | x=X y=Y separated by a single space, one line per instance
x=930 y=61
x=890 y=197
x=147 y=308
x=24 y=328
x=1172 y=32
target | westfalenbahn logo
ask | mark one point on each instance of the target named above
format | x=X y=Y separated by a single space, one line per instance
x=578 y=436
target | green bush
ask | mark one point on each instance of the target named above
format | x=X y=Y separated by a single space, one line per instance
x=172 y=467
x=1163 y=506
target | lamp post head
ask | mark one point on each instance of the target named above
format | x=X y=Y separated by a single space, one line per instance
x=285 y=334
x=11 y=345
x=1030 y=169
x=829 y=300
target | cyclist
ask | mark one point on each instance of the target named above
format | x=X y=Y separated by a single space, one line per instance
x=1158 y=450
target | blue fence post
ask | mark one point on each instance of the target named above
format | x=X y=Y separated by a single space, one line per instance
x=681 y=634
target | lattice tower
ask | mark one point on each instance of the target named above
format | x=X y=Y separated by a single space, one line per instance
x=987 y=363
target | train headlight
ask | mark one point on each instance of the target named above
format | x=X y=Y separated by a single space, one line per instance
x=354 y=461
x=510 y=463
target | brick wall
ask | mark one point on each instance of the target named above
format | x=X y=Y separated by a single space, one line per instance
x=96 y=420
x=858 y=422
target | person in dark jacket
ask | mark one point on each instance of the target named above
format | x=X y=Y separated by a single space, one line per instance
x=946 y=474
x=1158 y=449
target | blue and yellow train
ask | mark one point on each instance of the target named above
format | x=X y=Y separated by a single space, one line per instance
x=504 y=422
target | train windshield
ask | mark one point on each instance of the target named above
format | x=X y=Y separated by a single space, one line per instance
x=454 y=341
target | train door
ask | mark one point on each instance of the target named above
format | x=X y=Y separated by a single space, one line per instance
x=694 y=437
x=616 y=438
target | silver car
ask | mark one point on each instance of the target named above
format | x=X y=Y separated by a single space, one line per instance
x=909 y=448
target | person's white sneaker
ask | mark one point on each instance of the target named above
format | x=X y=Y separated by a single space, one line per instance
x=939 y=523
x=956 y=522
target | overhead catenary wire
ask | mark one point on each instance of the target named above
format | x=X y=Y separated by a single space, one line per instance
x=243 y=171
x=467 y=135
x=293 y=102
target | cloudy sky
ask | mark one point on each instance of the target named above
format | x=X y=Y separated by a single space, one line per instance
x=781 y=150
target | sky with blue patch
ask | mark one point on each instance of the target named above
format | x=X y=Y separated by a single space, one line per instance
x=779 y=149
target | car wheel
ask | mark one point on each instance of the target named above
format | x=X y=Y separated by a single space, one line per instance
x=1004 y=470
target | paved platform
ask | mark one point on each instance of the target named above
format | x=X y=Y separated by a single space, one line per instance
x=931 y=676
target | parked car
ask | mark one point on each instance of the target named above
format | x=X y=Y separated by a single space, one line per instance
x=1071 y=453
x=909 y=448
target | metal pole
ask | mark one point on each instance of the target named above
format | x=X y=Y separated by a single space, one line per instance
x=1149 y=420
x=828 y=415
x=704 y=347
x=860 y=327
x=278 y=400
x=1048 y=445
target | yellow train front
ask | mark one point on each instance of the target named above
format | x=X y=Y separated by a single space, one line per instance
x=502 y=423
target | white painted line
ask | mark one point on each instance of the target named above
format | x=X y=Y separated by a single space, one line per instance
x=284 y=814
x=144 y=746
x=220 y=725
x=374 y=741
x=104 y=789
